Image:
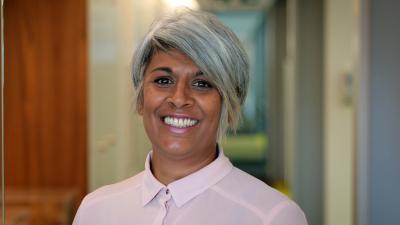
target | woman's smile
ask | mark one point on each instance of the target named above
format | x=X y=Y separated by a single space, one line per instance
x=179 y=125
x=179 y=122
x=181 y=107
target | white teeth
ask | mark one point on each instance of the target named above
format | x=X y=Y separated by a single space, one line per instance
x=179 y=122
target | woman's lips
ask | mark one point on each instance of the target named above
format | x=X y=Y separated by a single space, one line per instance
x=179 y=122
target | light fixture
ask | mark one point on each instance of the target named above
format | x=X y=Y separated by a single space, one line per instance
x=181 y=3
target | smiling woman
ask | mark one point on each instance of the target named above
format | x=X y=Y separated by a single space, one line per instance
x=191 y=76
x=181 y=111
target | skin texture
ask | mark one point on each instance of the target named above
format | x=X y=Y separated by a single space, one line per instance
x=174 y=86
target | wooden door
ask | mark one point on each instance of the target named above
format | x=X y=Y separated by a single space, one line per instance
x=46 y=94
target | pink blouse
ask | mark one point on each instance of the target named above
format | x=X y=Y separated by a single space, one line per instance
x=218 y=194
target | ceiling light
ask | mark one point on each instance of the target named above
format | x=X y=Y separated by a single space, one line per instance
x=181 y=3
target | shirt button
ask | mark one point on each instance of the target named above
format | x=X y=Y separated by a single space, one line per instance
x=167 y=191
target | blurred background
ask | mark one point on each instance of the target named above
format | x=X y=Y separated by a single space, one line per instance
x=321 y=122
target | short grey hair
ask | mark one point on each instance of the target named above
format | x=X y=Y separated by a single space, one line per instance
x=212 y=46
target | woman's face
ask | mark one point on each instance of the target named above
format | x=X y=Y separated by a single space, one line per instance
x=181 y=108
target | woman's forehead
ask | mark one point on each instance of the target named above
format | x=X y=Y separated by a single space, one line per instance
x=172 y=61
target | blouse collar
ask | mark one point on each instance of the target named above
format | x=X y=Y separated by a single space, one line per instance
x=186 y=188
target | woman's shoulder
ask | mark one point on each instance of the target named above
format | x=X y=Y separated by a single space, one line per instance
x=113 y=191
x=246 y=186
x=257 y=196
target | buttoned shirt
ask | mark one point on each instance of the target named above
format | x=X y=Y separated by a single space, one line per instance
x=217 y=194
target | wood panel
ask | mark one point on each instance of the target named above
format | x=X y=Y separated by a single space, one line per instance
x=51 y=207
x=45 y=94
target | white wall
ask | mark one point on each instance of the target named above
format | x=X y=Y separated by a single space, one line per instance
x=340 y=58
x=289 y=93
x=378 y=177
x=334 y=145
x=117 y=141
x=303 y=114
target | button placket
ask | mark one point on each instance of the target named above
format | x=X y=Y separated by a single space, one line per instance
x=163 y=201
x=167 y=198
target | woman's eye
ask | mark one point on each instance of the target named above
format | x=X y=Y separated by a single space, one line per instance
x=163 y=81
x=202 y=84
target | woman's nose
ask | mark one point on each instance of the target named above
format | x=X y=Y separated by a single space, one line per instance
x=181 y=96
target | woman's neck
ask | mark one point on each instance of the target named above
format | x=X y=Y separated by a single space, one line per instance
x=167 y=170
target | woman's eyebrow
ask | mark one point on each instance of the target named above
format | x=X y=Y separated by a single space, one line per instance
x=199 y=73
x=169 y=71
x=164 y=69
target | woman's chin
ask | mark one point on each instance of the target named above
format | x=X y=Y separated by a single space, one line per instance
x=176 y=147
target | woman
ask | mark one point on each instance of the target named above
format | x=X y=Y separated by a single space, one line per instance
x=191 y=75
